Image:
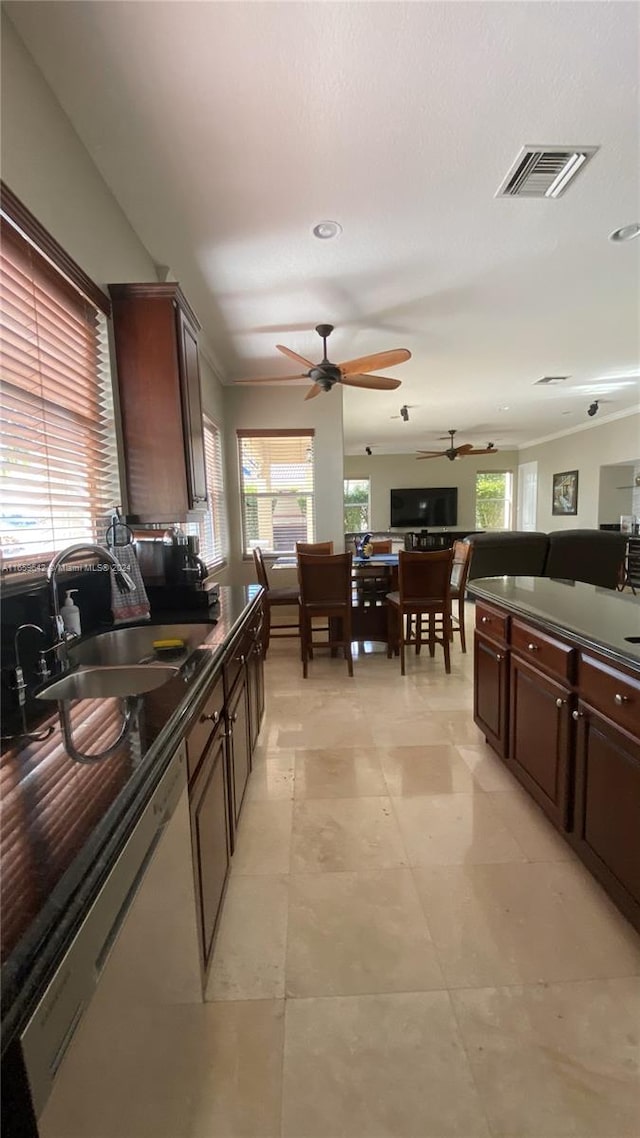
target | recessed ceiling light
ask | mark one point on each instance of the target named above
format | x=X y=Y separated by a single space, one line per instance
x=325 y=230
x=626 y=233
x=504 y=407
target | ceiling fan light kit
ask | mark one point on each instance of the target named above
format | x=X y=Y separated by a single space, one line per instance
x=352 y=373
x=453 y=452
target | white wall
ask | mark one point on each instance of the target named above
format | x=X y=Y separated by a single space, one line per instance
x=46 y=165
x=388 y=471
x=279 y=407
x=616 y=493
x=610 y=442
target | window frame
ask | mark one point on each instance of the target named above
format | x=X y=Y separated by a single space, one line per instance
x=346 y=505
x=216 y=498
x=508 y=499
x=299 y=433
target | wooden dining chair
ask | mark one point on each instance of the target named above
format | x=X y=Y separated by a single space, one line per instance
x=372 y=582
x=316 y=547
x=325 y=591
x=381 y=546
x=459 y=573
x=424 y=589
x=273 y=598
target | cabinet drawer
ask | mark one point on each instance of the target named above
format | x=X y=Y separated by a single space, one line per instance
x=612 y=692
x=207 y=720
x=491 y=622
x=543 y=651
x=236 y=658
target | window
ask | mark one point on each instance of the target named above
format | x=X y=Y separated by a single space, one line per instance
x=276 y=489
x=493 y=499
x=214 y=544
x=356 y=505
x=58 y=462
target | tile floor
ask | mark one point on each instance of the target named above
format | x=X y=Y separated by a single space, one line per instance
x=407 y=948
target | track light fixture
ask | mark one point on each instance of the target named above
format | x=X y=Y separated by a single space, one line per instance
x=404 y=412
x=368 y=450
x=593 y=409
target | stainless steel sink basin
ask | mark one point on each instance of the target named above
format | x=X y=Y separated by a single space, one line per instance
x=135 y=645
x=107 y=682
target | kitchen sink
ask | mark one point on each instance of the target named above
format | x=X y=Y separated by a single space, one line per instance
x=134 y=645
x=107 y=682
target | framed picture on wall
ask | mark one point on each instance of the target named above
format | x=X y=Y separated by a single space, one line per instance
x=565 y=493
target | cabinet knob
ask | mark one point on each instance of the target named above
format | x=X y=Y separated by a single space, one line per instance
x=560 y=702
x=577 y=715
x=620 y=699
x=234 y=717
x=485 y=620
x=213 y=717
x=499 y=657
x=532 y=647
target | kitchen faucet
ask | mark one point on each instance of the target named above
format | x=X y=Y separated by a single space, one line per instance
x=123 y=581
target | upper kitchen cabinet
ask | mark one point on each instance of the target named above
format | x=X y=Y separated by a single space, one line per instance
x=156 y=342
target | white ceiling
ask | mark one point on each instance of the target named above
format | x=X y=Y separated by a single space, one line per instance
x=227 y=130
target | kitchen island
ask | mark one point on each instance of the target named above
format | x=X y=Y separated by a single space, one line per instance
x=557 y=695
x=65 y=823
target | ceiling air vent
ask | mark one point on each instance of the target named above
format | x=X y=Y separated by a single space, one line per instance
x=544 y=171
x=546 y=379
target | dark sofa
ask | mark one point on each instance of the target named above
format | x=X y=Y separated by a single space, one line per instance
x=590 y=555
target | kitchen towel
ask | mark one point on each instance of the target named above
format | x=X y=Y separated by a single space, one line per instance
x=127 y=607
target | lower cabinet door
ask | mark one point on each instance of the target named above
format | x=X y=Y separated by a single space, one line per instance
x=540 y=735
x=606 y=824
x=490 y=694
x=210 y=839
x=239 y=746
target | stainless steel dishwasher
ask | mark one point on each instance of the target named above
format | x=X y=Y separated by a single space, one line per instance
x=87 y=1046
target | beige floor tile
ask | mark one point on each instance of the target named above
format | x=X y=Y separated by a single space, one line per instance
x=264 y=838
x=355 y=933
x=459 y=726
x=535 y=834
x=250 y=965
x=454 y=829
x=488 y=770
x=271 y=777
x=556 y=1061
x=387 y=1066
x=238 y=1091
x=333 y=834
x=338 y=772
x=522 y=923
x=416 y=728
x=432 y=769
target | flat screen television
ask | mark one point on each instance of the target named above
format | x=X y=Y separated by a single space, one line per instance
x=425 y=506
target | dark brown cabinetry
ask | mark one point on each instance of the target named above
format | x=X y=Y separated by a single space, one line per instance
x=540 y=705
x=491 y=669
x=156 y=343
x=239 y=746
x=210 y=840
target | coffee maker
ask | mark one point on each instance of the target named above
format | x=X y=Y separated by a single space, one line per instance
x=175 y=577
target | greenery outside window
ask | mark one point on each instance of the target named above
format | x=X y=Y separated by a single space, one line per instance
x=357 y=510
x=494 y=499
x=276 y=489
x=58 y=461
x=214 y=540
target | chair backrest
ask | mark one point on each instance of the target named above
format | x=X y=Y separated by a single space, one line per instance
x=260 y=567
x=325 y=579
x=460 y=566
x=381 y=546
x=315 y=547
x=424 y=576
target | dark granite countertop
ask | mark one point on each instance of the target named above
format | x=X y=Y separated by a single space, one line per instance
x=600 y=619
x=64 y=823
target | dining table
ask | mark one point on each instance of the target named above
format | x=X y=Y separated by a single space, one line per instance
x=369 y=618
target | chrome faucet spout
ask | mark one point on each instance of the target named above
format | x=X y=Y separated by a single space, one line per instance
x=123 y=580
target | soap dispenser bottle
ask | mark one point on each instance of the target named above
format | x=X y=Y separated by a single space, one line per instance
x=71 y=614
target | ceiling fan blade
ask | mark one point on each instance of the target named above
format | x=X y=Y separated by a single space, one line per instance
x=294 y=356
x=431 y=454
x=313 y=391
x=271 y=379
x=374 y=382
x=372 y=363
x=485 y=450
x=465 y=448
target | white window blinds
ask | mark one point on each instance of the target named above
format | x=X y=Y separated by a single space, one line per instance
x=277 y=489
x=58 y=461
x=214 y=546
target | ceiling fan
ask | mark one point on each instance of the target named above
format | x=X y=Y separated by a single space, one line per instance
x=452 y=452
x=353 y=373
